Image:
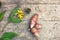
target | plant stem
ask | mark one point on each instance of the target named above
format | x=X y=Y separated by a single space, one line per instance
x=5 y=26
x=0 y=27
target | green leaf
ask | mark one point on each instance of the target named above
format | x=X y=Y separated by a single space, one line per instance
x=9 y=35
x=2 y=15
x=1 y=39
x=5 y=39
x=12 y=14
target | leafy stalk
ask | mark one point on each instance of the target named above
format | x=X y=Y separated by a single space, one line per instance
x=12 y=18
x=1 y=16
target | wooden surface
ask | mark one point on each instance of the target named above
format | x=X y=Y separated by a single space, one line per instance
x=49 y=11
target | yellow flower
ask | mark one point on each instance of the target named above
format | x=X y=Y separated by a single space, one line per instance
x=20 y=14
x=20 y=11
